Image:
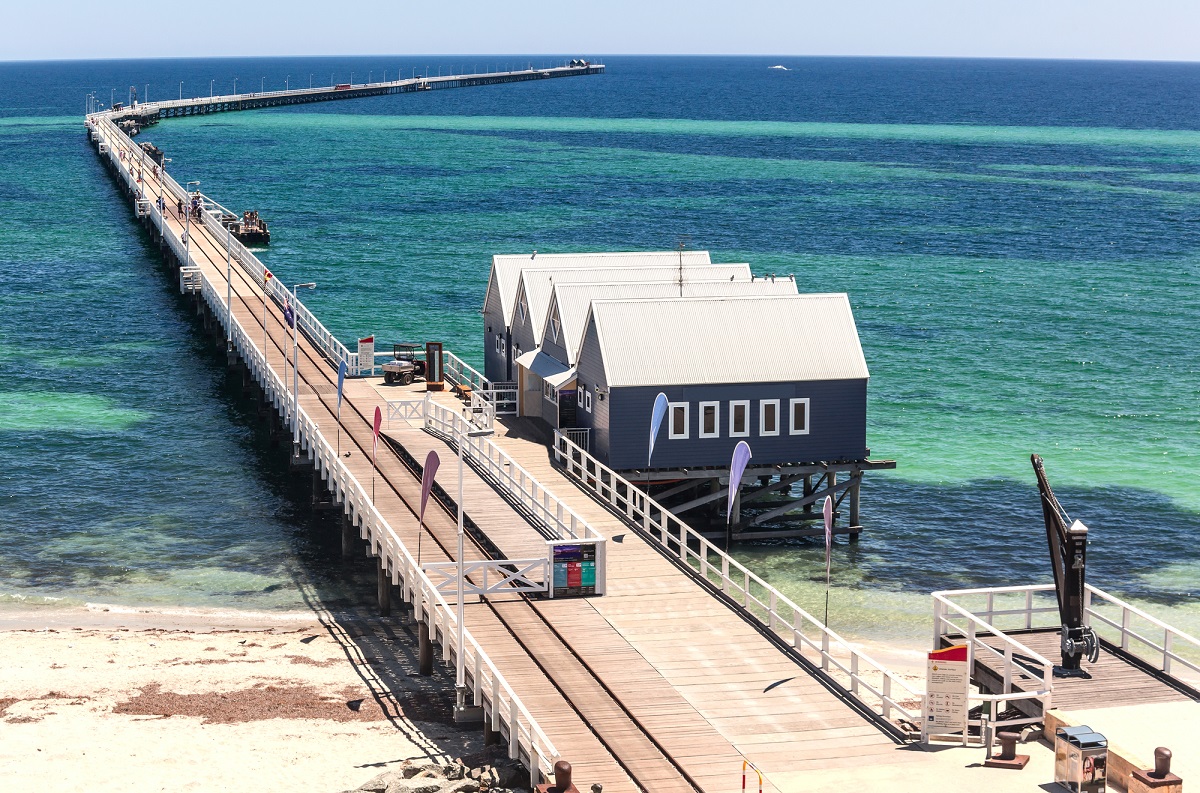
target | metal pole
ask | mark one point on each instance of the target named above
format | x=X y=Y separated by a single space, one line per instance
x=295 y=378
x=181 y=90
x=460 y=686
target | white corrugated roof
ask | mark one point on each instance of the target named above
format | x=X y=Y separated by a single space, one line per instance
x=728 y=340
x=574 y=299
x=541 y=364
x=539 y=283
x=506 y=268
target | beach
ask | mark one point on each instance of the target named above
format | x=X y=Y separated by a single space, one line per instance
x=142 y=700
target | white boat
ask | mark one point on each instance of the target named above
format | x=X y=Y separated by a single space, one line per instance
x=786 y=69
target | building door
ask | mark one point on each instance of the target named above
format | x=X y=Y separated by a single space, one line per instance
x=567 y=402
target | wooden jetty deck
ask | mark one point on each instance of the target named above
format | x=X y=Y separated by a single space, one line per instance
x=1117 y=678
x=662 y=684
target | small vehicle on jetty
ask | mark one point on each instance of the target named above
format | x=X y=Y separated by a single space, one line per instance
x=404 y=366
x=250 y=230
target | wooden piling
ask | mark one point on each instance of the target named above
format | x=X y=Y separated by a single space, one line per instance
x=424 y=650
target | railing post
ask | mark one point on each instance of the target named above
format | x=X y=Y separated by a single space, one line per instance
x=854 y=674
x=887 y=695
x=825 y=649
x=1029 y=610
x=1125 y=615
x=1167 y=641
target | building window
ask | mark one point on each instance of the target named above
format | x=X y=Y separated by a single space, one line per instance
x=516 y=351
x=768 y=417
x=677 y=414
x=587 y=400
x=549 y=392
x=554 y=327
x=521 y=309
x=799 y=411
x=710 y=419
x=739 y=418
x=499 y=344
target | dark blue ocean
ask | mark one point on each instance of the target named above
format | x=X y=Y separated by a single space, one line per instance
x=1020 y=241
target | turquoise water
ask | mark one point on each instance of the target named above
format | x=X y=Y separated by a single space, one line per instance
x=1019 y=287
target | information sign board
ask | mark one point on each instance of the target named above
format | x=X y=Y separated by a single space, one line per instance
x=366 y=354
x=574 y=570
x=947 y=690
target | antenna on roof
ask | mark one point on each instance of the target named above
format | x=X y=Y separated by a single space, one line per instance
x=683 y=241
x=534 y=256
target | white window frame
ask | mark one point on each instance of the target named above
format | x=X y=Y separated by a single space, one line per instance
x=587 y=400
x=522 y=309
x=792 y=416
x=687 y=420
x=549 y=392
x=554 y=327
x=762 y=415
x=716 y=433
x=499 y=344
x=744 y=404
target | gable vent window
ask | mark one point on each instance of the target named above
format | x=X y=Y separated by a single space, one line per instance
x=554 y=326
x=799 y=411
x=739 y=418
x=768 y=417
x=521 y=309
x=710 y=419
x=678 y=415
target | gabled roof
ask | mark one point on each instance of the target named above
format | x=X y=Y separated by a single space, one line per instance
x=573 y=300
x=538 y=284
x=704 y=340
x=506 y=268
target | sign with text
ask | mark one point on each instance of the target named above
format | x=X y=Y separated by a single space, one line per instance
x=366 y=354
x=574 y=570
x=947 y=689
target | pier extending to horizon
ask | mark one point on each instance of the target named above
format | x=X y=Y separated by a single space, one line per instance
x=682 y=670
x=136 y=116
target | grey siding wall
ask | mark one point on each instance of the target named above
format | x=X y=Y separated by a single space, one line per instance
x=494 y=364
x=837 y=425
x=590 y=372
x=551 y=347
x=523 y=334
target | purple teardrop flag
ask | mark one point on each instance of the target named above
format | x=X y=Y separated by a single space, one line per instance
x=375 y=431
x=432 y=461
x=737 y=466
x=827 y=511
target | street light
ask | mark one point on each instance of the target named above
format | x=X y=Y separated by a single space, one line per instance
x=262 y=88
x=187 y=226
x=210 y=85
x=287 y=83
x=460 y=685
x=295 y=370
x=310 y=80
x=235 y=86
x=181 y=90
x=229 y=289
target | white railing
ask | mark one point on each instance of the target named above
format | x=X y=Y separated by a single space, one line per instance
x=954 y=622
x=405 y=409
x=459 y=372
x=190 y=280
x=493 y=576
x=490 y=690
x=551 y=511
x=1129 y=620
x=503 y=396
x=580 y=436
x=852 y=670
x=481 y=412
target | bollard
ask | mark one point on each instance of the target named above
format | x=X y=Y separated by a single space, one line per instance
x=1008 y=757
x=562 y=780
x=424 y=650
x=1158 y=780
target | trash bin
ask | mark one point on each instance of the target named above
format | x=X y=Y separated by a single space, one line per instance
x=1080 y=759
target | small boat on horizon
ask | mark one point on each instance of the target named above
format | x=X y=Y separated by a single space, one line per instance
x=779 y=66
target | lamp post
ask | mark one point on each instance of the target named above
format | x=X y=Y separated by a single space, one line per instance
x=112 y=97
x=181 y=90
x=187 y=227
x=295 y=369
x=460 y=685
x=310 y=80
x=262 y=86
x=287 y=83
x=229 y=288
x=210 y=85
x=235 y=86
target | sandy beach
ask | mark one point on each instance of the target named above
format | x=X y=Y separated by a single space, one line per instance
x=141 y=700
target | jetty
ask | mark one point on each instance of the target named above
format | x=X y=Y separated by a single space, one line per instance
x=594 y=626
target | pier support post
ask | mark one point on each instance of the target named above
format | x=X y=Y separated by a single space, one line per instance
x=490 y=737
x=808 y=491
x=855 y=503
x=383 y=587
x=347 y=536
x=424 y=649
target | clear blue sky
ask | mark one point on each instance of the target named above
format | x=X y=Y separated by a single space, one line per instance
x=1119 y=29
